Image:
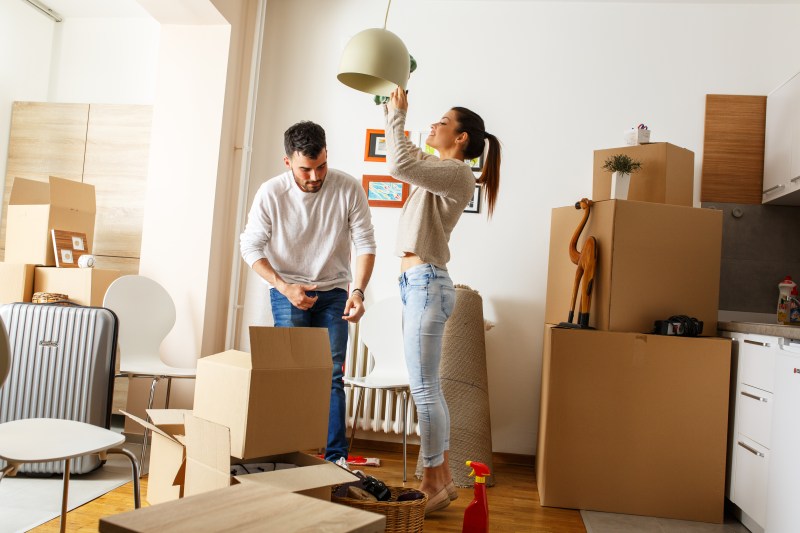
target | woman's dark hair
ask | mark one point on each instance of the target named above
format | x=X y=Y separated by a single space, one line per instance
x=471 y=123
x=304 y=137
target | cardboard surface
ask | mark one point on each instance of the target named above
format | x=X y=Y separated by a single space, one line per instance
x=17 y=282
x=634 y=424
x=246 y=508
x=314 y=477
x=35 y=208
x=85 y=286
x=654 y=261
x=166 y=475
x=666 y=175
x=274 y=400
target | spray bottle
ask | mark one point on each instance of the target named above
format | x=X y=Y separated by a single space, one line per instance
x=476 y=516
x=784 y=299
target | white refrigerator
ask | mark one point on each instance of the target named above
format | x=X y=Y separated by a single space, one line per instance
x=783 y=485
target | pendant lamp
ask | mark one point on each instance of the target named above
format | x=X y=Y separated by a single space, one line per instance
x=375 y=61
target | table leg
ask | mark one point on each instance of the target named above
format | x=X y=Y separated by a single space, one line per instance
x=65 y=496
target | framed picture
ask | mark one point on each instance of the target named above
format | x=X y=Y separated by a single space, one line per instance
x=477 y=163
x=68 y=247
x=385 y=191
x=474 y=205
x=375 y=145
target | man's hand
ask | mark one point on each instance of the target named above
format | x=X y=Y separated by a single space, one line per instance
x=354 y=309
x=296 y=294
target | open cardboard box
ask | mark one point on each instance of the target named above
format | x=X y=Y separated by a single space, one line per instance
x=35 y=207
x=165 y=480
x=84 y=286
x=264 y=407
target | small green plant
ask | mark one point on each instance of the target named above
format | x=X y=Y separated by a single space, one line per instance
x=621 y=163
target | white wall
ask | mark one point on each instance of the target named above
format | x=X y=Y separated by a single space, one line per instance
x=554 y=81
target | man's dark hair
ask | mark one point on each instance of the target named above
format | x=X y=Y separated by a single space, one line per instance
x=304 y=137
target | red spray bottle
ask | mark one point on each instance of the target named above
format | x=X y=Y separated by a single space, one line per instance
x=476 y=516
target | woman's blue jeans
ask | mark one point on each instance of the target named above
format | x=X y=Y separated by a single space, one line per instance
x=326 y=313
x=428 y=298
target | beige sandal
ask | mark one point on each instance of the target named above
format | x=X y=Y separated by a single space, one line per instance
x=438 y=501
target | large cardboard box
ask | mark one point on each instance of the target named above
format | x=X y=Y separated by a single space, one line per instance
x=35 y=207
x=208 y=465
x=85 y=286
x=167 y=467
x=654 y=261
x=246 y=509
x=666 y=175
x=274 y=400
x=634 y=424
x=16 y=282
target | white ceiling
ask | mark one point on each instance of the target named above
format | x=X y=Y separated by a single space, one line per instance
x=95 y=8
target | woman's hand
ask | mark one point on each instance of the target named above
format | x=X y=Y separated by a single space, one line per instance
x=398 y=99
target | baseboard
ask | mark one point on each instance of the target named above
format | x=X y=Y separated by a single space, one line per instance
x=413 y=449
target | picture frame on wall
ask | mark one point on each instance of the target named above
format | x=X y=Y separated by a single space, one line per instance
x=385 y=191
x=375 y=145
x=474 y=205
x=477 y=163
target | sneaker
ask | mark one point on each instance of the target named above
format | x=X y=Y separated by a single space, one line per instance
x=342 y=462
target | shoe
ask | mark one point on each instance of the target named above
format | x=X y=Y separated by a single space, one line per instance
x=437 y=502
x=452 y=493
x=342 y=462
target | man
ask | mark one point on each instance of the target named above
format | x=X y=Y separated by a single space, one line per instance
x=298 y=238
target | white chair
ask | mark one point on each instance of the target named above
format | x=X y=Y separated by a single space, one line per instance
x=41 y=440
x=380 y=332
x=146 y=315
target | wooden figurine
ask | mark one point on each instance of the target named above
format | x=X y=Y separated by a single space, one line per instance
x=586 y=261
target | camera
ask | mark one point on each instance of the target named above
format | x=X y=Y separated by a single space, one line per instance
x=377 y=488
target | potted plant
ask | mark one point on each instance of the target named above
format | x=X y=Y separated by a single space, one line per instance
x=621 y=166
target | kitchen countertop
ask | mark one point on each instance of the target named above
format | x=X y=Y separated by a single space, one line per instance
x=758 y=328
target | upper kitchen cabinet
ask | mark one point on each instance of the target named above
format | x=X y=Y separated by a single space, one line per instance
x=782 y=145
x=733 y=149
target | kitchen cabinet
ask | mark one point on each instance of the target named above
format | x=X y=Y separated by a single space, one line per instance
x=782 y=145
x=750 y=439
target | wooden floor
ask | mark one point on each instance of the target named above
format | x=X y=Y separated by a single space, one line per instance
x=513 y=501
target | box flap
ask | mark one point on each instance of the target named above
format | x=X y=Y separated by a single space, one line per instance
x=72 y=194
x=233 y=358
x=150 y=426
x=28 y=192
x=290 y=347
x=302 y=478
x=208 y=456
x=169 y=420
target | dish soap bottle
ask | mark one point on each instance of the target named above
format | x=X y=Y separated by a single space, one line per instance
x=794 y=308
x=785 y=299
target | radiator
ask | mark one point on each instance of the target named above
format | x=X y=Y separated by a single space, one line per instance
x=382 y=410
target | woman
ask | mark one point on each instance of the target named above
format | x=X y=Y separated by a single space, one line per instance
x=445 y=185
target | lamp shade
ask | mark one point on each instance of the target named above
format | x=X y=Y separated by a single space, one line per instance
x=375 y=61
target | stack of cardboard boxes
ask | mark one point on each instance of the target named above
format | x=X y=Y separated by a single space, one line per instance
x=632 y=422
x=267 y=406
x=34 y=209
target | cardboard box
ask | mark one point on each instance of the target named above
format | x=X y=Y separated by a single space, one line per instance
x=666 y=176
x=167 y=467
x=85 y=286
x=245 y=509
x=634 y=424
x=654 y=261
x=273 y=401
x=35 y=207
x=208 y=465
x=17 y=282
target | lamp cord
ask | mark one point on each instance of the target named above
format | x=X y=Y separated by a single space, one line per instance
x=386 y=18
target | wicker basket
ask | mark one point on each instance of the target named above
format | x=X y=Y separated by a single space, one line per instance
x=401 y=517
x=48 y=297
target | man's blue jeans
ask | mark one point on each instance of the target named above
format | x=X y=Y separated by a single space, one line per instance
x=326 y=313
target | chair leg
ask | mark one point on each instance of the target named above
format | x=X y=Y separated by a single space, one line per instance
x=137 y=501
x=146 y=431
x=405 y=416
x=65 y=496
x=359 y=406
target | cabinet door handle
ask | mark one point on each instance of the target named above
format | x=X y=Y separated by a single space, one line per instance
x=794 y=179
x=751 y=449
x=757 y=343
x=767 y=191
x=753 y=396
